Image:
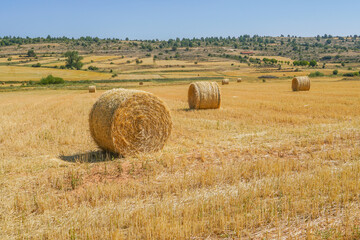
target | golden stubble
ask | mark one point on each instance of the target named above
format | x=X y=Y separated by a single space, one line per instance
x=270 y=163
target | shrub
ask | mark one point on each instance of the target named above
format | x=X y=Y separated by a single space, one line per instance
x=316 y=74
x=348 y=74
x=114 y=75
x=313 y=63
x=31 y=53
x=335 y=72
x=93 y=68
x=36 y=65
x=51 y=80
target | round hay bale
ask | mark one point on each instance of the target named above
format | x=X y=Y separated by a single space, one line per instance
x=130 y=122
x=301 y=83
x=225 y=81
x=3 y=83
x=141 y=83
x=239 y=80
x=92 y=89
x=204 y=95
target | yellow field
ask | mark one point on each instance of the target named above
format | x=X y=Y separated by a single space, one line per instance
x=270 y=164
x=15 y=73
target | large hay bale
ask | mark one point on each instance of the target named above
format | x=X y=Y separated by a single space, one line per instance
x=225 y=81
x=301 y=83
x=92 y=89
x=3 y=83
x=204 y=95
x=239 y=80
x=141 y=83
x=129 y=122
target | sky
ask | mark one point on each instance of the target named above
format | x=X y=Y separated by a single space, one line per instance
x=164 y=19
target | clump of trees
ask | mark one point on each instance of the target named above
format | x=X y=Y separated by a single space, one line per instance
x=351 y=74
x=270 y=61
x=50 y=79
x=31 y=53
x=312 y=63
x=316 y=74
x=73 y=60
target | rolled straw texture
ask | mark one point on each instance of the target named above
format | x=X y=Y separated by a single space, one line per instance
x=225 y=81
x=92 y=89
x=204 y=95
x=130 y=122
x=301 y=84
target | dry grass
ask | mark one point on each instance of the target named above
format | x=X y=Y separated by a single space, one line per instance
x=15 y=73
x=264 y=166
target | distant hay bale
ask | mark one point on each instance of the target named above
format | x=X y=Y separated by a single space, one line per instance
x=301 y=83
x=3 y=83
x=130 y=122
x=239 y=80
x=225 y=81
x=92 y=89
x=204 y=95
x=141 y=83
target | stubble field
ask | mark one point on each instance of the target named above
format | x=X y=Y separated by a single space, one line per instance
x=271 y=163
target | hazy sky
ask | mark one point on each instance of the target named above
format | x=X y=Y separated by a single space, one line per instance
x=140 y=19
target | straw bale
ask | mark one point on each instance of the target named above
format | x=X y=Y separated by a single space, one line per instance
x=204 y=95
x=130 y=122
x=92 y=89
x=225 y=81
x=301 y=83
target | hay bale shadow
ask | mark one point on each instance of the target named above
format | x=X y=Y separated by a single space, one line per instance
x=185 y=110
x=90 y=157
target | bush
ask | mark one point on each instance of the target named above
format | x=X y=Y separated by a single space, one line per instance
x=31 y=53
x=114 y=75
x=51 y=80
x=348 y=74
x=36 y=65
x=316 y=74
x=351 y=74
x=93 y=68
x=313 y=63
x=335 y=72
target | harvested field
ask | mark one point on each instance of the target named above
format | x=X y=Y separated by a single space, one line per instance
x=267 y=163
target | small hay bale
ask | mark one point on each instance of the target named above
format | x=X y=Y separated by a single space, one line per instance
x=204 y=95
x=239 y=80
x=92 y=89
x=225 y=81
x=301 y=83
x=128 y=122
x=3 y=83
x=141 y=83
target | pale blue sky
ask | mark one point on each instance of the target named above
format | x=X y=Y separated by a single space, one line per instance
x=181 y=18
